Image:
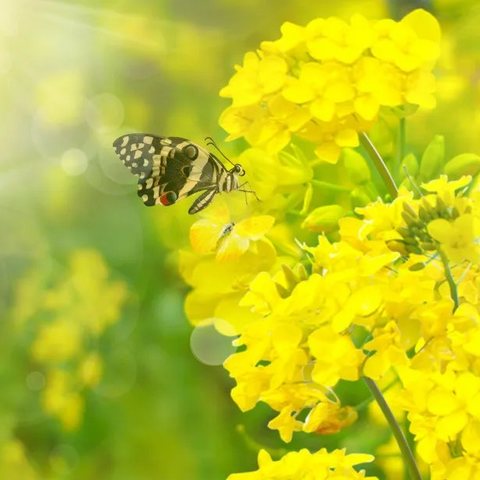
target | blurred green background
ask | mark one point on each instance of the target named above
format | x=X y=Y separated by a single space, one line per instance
x=98 y=380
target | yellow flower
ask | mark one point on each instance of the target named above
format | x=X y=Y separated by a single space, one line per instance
x=62 y=400
x=409 y=44
x=71 y=311
x=218 y=298
x=230 y=241
x=457 y=238
x=419 y=89
x=270 y=173
x=446 y=188
x=387 y=350
x=328 y=418
x=293 y=37
x=258 y=76
x=286 y=423
x=343 y=359
x=90 y=370
x=58 y=341
x=334 y=39
x=320 y=465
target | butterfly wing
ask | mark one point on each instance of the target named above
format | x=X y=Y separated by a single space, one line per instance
x=169 y=168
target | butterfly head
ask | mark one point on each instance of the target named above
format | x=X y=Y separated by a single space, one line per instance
x=238 y=170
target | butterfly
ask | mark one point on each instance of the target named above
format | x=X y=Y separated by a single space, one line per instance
x=171 y=168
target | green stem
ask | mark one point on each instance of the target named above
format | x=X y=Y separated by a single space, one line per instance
x=401 y=144
x=362 y=405
x=256 y=446
x=379 y=164
x=450 y=280
x=329 y=186
x=405 y=449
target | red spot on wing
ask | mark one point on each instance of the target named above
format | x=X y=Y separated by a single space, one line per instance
x=168 y=198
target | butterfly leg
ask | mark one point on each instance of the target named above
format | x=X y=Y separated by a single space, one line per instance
x=240 y=189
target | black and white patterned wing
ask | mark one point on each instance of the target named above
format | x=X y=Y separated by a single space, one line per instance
x=139 y=153
x=164 y=165
x=137 y=150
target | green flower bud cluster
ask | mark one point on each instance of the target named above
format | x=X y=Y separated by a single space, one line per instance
x=415 y=236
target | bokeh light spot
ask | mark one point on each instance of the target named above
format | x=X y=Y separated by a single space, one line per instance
x=209 y=346
x=35 y=381
x=74 y=161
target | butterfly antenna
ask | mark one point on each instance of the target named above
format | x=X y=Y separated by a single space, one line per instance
x=210 y=141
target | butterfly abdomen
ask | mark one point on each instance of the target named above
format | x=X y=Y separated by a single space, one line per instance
x=229 y=182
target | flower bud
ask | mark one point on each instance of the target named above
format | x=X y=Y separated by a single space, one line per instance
x=359 y=197
x=429 y=246
x=410 y=165
x=432 y=159
x=409 y=209
x=403 y=231
x=463 y=164
x=413 y=249
x=424 y=214
x=409 y=219
x=416 y=267
x=324 y=219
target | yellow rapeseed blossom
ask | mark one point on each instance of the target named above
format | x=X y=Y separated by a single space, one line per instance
x=321 y=465
x=62 y=399
x=390 y=275
x=71 y=312
x=328 y=81
x=389 y=289
x=228 y=240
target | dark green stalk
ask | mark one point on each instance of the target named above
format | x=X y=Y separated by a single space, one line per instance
x=362 y=405
x=405 y=449
x=450 y=280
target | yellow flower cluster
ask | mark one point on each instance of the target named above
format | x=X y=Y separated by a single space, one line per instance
x=391 y=292
x=437 y=321
x=399 y=289
x=328 y=81
x=78 y=308
x=320 y=465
